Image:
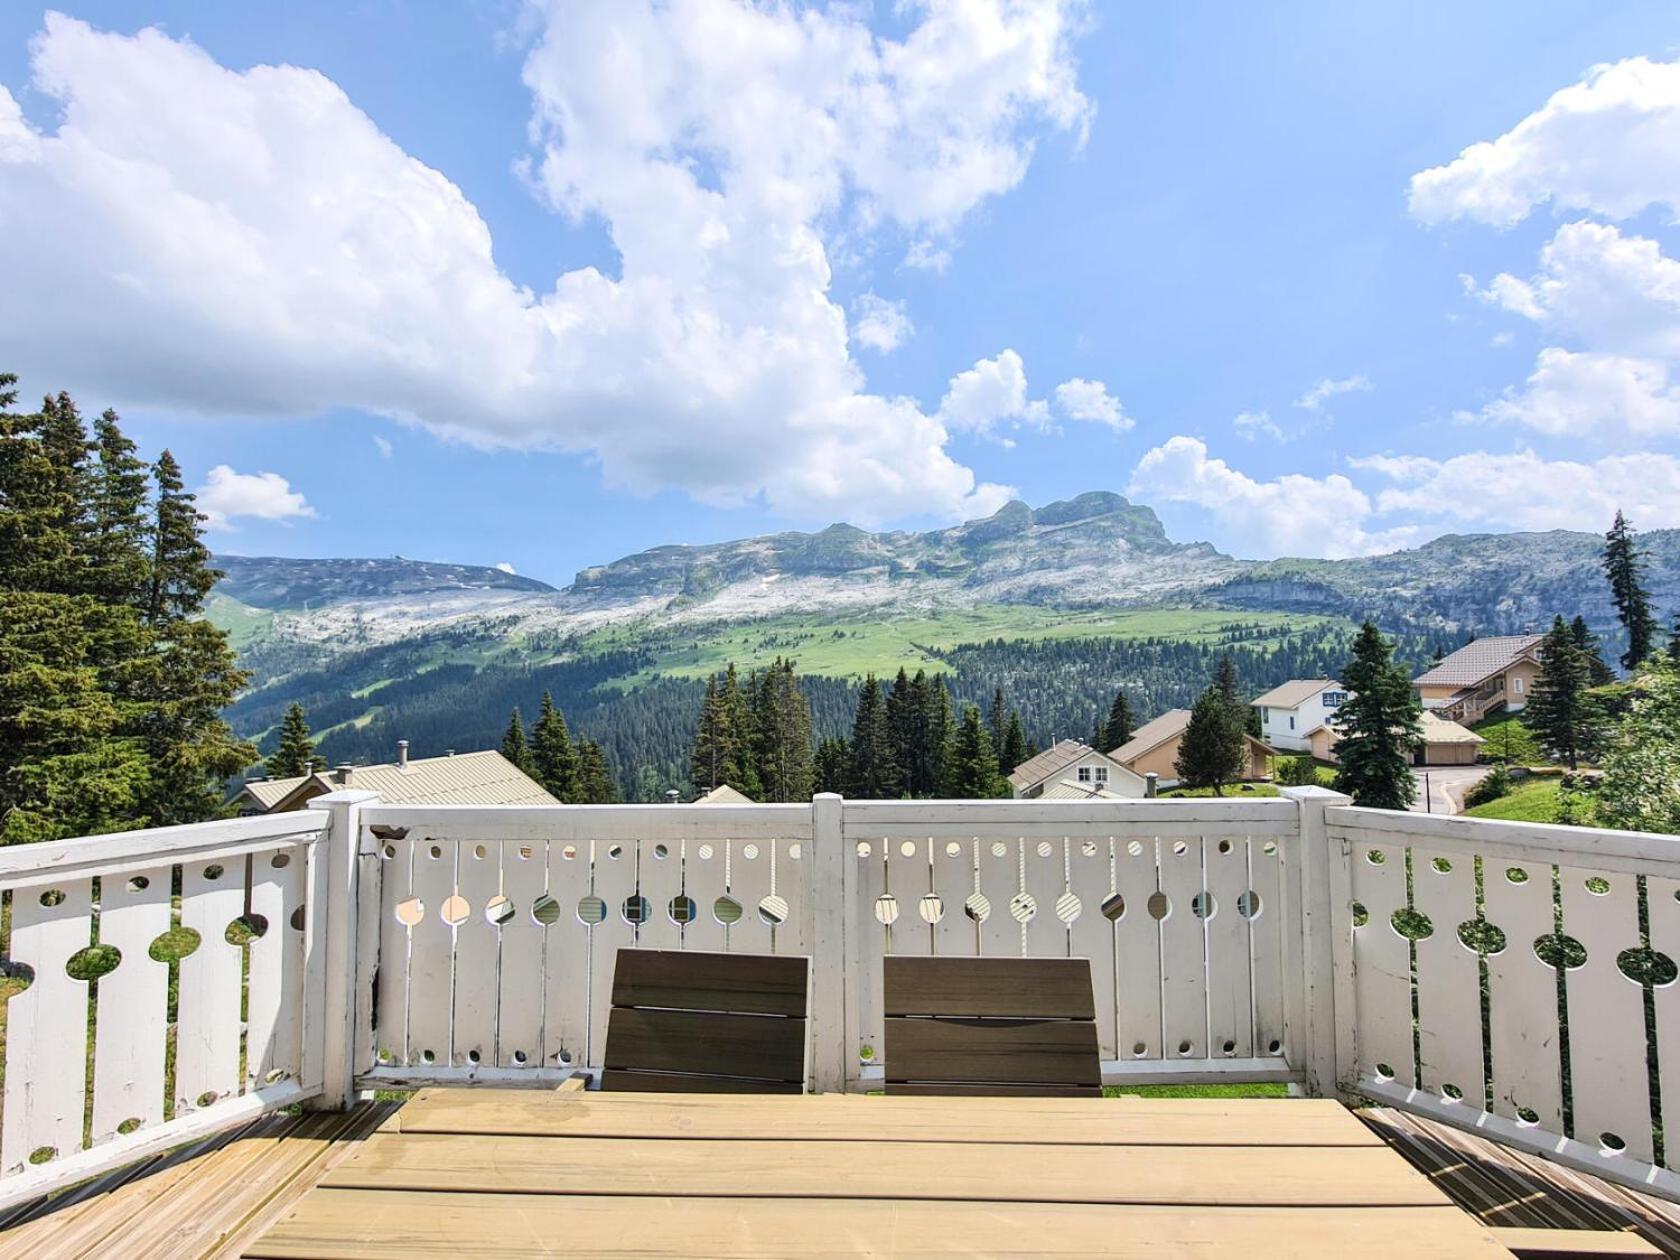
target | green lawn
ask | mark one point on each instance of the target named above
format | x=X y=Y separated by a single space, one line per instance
x=1197 y=1091
x=852 y=644
x=1509 y=740
x=1531 y=800
x=1234 y=792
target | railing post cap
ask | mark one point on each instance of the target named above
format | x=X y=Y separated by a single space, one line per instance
x=1312 y=792
x=349 y=796
x=827 y=796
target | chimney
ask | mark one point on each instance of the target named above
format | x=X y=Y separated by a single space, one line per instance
x=448 y=752
x=672 y=795
x=1151 y=783
x=342 y=773
x=402 y=754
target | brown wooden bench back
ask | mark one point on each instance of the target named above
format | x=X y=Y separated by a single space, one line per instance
x=687 y=1021
x=1000 y=1026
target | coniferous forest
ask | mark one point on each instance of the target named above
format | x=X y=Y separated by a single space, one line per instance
x=112 y=686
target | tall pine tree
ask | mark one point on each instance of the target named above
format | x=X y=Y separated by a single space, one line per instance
x=783 y=720
x=972 y=769
x=1624 y=567
x=1118 y=728
x=294 y=755
x=594 y=783
x=514 y=745
x=1210 y=754
x=1587 y=641
x=1560 y=712
x=874 y=773
x=1378 y=726
x=553 y=759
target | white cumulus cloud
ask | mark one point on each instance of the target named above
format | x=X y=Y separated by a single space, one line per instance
x=227 y=496
x=1609 y=144
x=880 y=323
x=1523 y=491
x=249 y=242
x=992 y=392
x=1592 y=395
x=1292 y=515
x=1090 y=401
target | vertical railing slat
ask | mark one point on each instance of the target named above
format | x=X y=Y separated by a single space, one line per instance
x=1138 y=949
x=1523 y=1033
x=133 y=1025
x=477 y=986
x=1449 y=978
x=431 y=953
x=207 y=1022
x=519 y=996
x=1183 y=952
x=1230 y=982
x=1382 y=963
x=273 y=1045
x=1267 y=924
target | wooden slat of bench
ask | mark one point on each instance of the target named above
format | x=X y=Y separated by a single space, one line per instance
x=628 y=1081
x=1571 y=1244
x=858 y=1118
x=688 y=980
x=768 y=1047
x=992 y=1051
x=1045 y=988
x=977 y=1089
x=1289 y=1176
x=360 y=1225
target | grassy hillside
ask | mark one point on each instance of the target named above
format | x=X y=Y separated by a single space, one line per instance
x=1532 y=800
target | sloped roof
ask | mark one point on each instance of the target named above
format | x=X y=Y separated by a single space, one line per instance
x=477 y=778
x=270 y=792
x=723 y=794
x=1153 y=733
x=1069 y=790
x=1479 y=660
x=1294 y=693
x=1063 y=753
x=1437 y=730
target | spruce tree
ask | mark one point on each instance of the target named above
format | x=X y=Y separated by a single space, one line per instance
x=833 y=765
x=119 y=540
x=1014 y=745
x=783 y=720
x=1561 y=712
x=712 y=755
x=1118 y=729
x=181 y=574
x=997 y=720
x=294 y=755
x=594 y=784
x=874 y=773
x=514 y=746
x=1378 y=726
x=1587 y=641
x=902 y=723
x=1624 y=566
x=553 y=759
x=922 y=759
x=743 y=773
x=972 y=773
x=1210 y=754
x=941 y=736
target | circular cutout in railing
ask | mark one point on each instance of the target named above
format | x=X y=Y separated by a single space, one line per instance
x=1159 y=905
x=1229 y=1048
x=1023 y=907
x=886 y=909
x=931 y=907
x=773 y=910
x=42 y=1154
x=1134 y=848
x=1441 y=866
x=1557 y=949
x=1361 y=916
x=1611 y=1143
x=1414 y=925
x=1204 y=905
x=1527 y=1116
x=498 y=910
x=1451 y=1093
x=52 y=897
x=706 y=853
x=545 y=910
x=953 y=848
x=750 y=852
x=1384 y=1072
x=1274 y=1046
x=175 y=944
x=1045 y=849
x=300 y=917
x=139 y=884
x=907 y=848
x=434 y=851
x=863 y=849
x=1180 y=848
x=1481 y=937
x=615 y=851
x=1597 y=885
x=794 y=851
x=1516 y=875
x=726 y=910
x=637 y=910
x=999 y=849
x=1114 y=907
x=684 y=909
x=454 y=910
x=569 y=852
x=1185 y=1048
x=92 y=961
x=1088 y=848
x=207 y=1098
x=479 y=852
x=661 y=852
x=1376 y=857
x=131 y=1125
x=1068 y=907
x=15 y=977
x=978 y=907
x=280 y=861
x=1224 y=846
x=245 y=929
x=213 y=871
x=1644 y=965
x=591 y=909
x=520 y=1058
x=1248 y=904
x=1139 y=1049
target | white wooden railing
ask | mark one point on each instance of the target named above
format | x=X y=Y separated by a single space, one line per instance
x=1234 y=939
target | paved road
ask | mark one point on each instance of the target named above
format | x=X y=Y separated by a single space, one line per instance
x=1447 y=785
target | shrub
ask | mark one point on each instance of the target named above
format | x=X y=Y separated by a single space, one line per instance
x=1297 y=771
x=1490 y=787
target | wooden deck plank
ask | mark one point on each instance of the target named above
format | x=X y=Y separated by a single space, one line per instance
x=368 y=1225
x=977 y=1172
x=1571 y=1244
x=855 y=1118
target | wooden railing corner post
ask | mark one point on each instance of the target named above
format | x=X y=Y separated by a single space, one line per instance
x=332 y=946
x=1318 y=1034
x=829 y=957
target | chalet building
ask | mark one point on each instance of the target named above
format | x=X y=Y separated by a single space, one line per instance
x=1291 y=712
x=1483 y=676
x=1444 y=743
x=477 y=778
x=1069 y=768
x=1153 y=749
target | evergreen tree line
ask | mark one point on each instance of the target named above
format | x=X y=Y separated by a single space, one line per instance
x=112 y=685
x=754 y=735
x=573 y=772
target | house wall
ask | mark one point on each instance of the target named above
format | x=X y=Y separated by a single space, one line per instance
x=1436 y=694
x=1519 y=683
x=1259 y=761
x=1119 y=782
x=1287 y=728
x=1447 y=755
x=1161 y=760
x=1323 y=744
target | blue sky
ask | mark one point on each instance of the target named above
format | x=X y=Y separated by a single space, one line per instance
x=1182 y=215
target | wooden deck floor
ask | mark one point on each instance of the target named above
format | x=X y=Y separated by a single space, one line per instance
x=525 y=1173
x=529 y=1174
